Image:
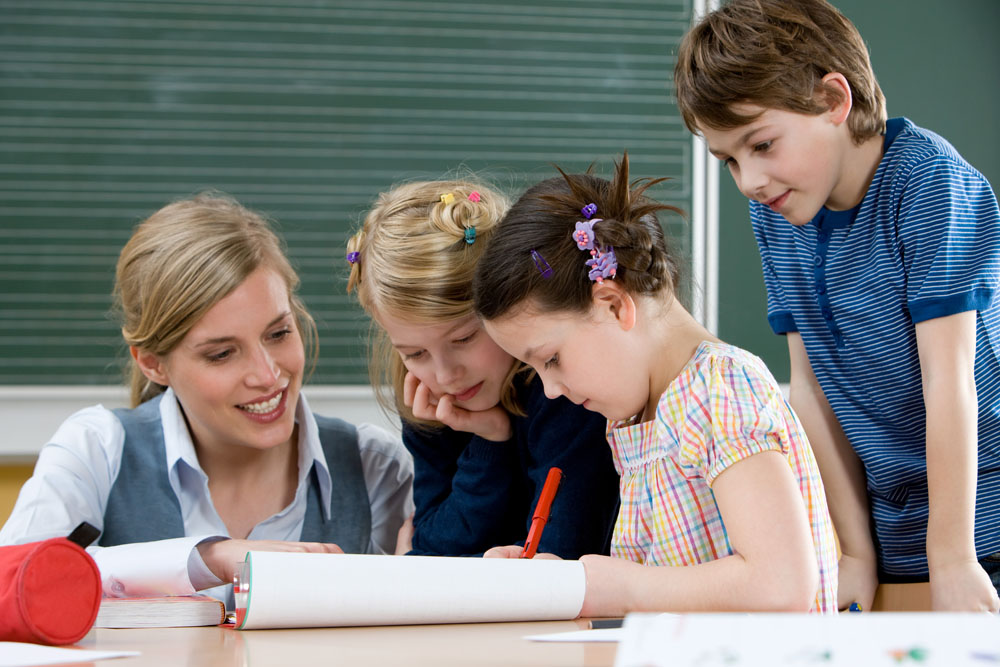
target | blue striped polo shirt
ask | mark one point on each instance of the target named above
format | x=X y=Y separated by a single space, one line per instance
x=923 y=243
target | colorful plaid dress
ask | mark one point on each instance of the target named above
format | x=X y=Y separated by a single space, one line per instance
x=723 y=407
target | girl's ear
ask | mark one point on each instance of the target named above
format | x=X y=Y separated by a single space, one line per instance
x=612 y=301
x=151 y=365
x=837 y=96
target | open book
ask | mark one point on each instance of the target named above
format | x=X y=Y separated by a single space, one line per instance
x=301 y=590
x=165 y=612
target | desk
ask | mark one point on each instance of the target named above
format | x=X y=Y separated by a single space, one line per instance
x=473 y=644
x=464 y=645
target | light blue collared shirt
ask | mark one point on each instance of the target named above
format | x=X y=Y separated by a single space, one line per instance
x=76 y=469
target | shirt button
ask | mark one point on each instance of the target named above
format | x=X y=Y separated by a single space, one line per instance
x=822 y=237
x=818 y=260
x=820 y=288
x=827 y=314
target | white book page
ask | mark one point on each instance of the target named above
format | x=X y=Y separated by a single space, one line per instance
x=847 y=640
x=19 y=654
x=300 y=590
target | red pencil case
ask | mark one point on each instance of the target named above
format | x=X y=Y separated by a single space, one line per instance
x=50 y=592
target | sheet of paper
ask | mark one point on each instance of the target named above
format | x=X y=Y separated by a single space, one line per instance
x=300 y=590
x=848 y=640
x=18 y=654
x=603 y=635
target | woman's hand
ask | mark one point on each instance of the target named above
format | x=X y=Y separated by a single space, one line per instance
x=404 y=538
x=222 y=556
x=491 y=424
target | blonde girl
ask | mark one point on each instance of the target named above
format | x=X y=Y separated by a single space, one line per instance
x=482 y=435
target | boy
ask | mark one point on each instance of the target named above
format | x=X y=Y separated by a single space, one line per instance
x=883 y=282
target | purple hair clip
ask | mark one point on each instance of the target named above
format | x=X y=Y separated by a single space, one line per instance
x=540 y=264
x=604 y=264
x=584 y=234
x=353 y=257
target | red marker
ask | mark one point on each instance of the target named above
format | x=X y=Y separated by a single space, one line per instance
x=542 y=510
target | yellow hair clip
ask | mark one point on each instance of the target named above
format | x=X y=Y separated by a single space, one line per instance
x=447 y=198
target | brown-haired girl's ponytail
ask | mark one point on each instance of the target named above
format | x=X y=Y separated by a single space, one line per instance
x=538 y=232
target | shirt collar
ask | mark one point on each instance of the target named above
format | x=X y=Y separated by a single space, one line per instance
x=311 y=454
x=179 y=446
x=176 y=438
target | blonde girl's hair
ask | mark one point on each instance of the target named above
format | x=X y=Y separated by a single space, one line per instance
x=415 y=260
x=180 y=262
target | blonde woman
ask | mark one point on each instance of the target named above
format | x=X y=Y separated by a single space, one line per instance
x=220 y=452
x=483 y=436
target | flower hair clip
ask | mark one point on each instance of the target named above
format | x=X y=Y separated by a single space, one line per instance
x=447 y=198
x=474 y=197
x=353 y=257
x=603 y=262
x=584 y=234
x=470 y=235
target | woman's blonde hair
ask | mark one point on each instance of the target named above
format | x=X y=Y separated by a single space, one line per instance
x=184 y=259
x=417 y=251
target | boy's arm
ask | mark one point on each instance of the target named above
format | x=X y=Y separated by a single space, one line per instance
x=843 y=478
x=947 y=349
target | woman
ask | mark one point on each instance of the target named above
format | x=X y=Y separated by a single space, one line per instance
x=220 y=453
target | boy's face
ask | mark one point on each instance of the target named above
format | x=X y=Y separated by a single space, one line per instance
x=788 y=161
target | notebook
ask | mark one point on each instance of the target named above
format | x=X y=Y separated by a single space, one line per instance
x=301 y=590
x=165 y=612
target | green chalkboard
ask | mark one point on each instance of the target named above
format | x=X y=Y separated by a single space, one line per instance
x=937 y=64
x=304 y=110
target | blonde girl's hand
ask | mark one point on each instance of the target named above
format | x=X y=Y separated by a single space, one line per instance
x=491 y=424
x=221 y=556
x=418 y=397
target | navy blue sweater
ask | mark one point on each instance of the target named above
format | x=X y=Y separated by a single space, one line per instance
x=472 y=494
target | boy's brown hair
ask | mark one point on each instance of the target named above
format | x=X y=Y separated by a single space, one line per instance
x=774 y=54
